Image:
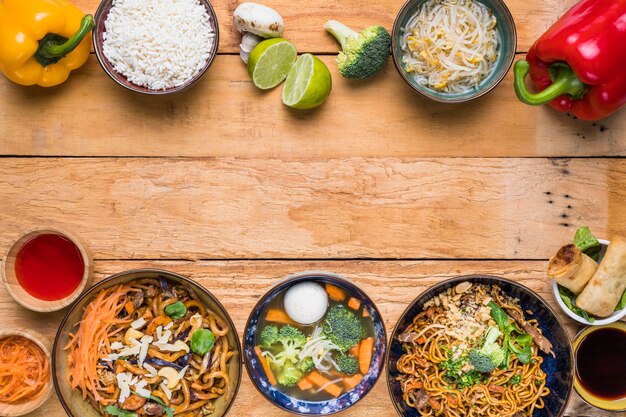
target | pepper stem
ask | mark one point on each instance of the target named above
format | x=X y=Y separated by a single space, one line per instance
x=53 y=47
x=564 y=81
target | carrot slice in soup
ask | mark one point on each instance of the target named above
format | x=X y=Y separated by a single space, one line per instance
x=266 y=366
x=365 y=354
x=278 y=316
x=352 y=381
x=354 y=303
x=304 y=384
x=320 y=381
x=354 y=350
x=335 y=293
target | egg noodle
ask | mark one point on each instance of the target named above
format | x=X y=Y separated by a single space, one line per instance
x=450 y=45
x=434 y=338
x=97 y=368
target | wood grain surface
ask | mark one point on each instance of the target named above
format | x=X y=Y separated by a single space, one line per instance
x=224 y=184
x=304 y=21
x=485 y=208
x=238 y=284
x=225 y=115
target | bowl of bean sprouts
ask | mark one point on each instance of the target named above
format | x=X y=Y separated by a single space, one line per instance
x=453 y=51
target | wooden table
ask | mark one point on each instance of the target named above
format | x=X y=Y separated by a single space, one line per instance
x=226 y=185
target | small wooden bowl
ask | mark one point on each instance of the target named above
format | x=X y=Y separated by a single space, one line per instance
x=14 y=410
x=24 y=298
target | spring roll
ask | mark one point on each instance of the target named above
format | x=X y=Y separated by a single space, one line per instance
x=571 y=268
x=607 y=285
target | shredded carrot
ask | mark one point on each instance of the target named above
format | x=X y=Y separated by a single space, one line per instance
x=320 y=381
x=266 y=366
x=129 y=307
x=278 y=316
x=24 y=369
x=365 y=354
x=354 y=350
x=352 y=381
x=421 y=340
x=354 y=303
x=335 y=293
x=304 y=384
x=91 y=340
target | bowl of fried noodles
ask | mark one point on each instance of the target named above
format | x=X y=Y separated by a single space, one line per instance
x=146 y=343
x=479 y=346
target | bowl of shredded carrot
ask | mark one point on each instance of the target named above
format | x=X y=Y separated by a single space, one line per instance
x=25 y=379
x=147 y=343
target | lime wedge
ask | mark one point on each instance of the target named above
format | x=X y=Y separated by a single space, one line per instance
x=270 y=61
x=308 y=84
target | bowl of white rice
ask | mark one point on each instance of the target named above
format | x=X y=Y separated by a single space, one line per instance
x=155 y=46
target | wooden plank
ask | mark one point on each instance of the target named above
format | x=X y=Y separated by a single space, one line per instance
x=392 y=286
x=340 y=208
x=225 y=115
x=304 y=21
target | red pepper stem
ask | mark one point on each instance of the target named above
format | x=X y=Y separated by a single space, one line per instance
x=564 y=81
x=54 y=49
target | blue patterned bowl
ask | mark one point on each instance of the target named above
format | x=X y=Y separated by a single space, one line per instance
x=295 y=405
x=559 y=369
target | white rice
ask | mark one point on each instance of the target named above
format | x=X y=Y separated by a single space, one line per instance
x=158 y=44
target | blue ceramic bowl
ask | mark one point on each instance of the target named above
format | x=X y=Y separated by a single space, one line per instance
x=559 y=369
x=508 y=44
x=295 y=405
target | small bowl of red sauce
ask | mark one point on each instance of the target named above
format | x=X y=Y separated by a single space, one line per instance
x=600 y=353
x=46 y=269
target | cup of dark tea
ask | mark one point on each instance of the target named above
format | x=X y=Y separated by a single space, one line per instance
x=600 y=354
x=46 y=269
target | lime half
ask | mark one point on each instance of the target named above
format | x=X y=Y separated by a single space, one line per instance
x=308 y=84
x=270 y=62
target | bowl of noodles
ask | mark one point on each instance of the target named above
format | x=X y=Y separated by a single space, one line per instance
x=479 y=346
x=146 y=343
x=453 y=51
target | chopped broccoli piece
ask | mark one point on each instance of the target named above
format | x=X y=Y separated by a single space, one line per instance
x=269 y=336
x=305 y=365
x=348 y=364
x=289 y=375
x=342 y=327
x=363 y=54
x=490 y=355
x=285 y=345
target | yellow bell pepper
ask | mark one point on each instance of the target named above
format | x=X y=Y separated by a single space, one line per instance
x=41 y=41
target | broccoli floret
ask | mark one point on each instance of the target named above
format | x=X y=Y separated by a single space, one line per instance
x=490 y=354
x=285 y=344
x=289 y=375
x=363 y=54
x=305 y=365
x=269 y=336
x=348 y=364
x=342 y=327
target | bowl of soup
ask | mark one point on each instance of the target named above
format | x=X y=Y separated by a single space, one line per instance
x=314 y=344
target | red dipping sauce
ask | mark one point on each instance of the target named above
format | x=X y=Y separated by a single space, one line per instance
x=49 y=267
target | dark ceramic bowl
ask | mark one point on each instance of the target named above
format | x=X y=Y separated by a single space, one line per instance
x=508 y=44
x=73 y=402
x=294 y=405
x=559 y=370
x=100 y=18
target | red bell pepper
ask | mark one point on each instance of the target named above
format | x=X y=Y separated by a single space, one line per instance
x=578 y=65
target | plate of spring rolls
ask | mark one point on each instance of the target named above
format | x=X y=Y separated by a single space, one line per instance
x=589 y=278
